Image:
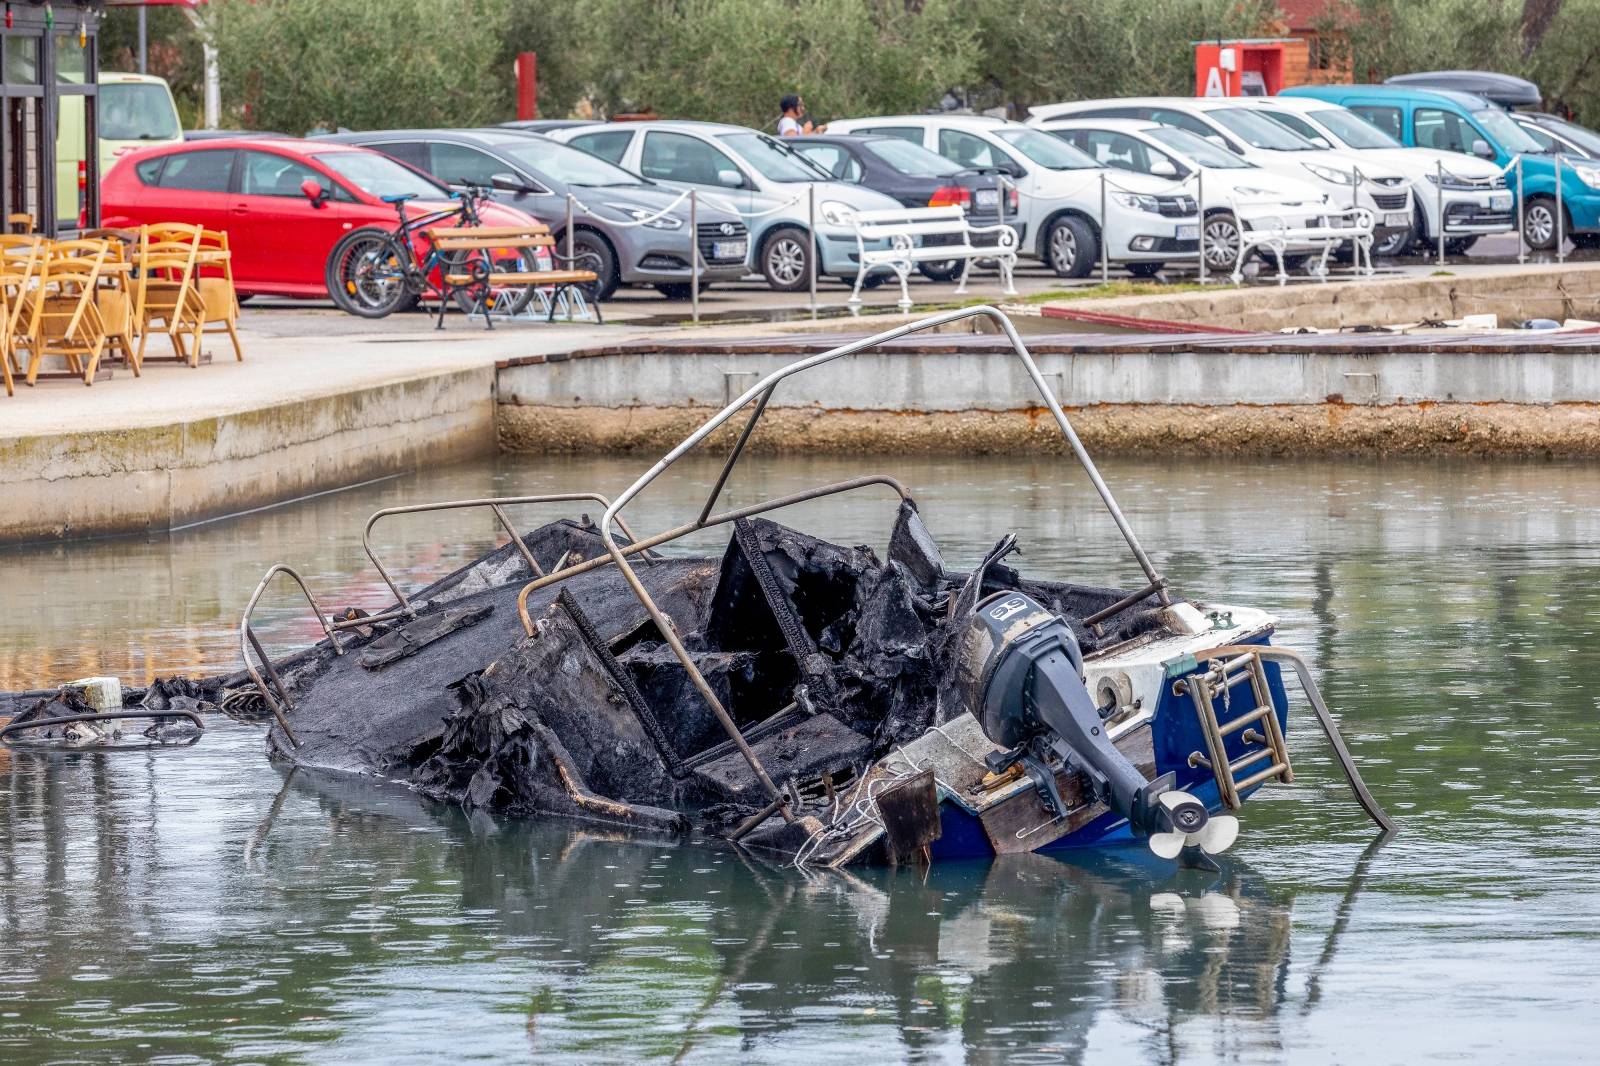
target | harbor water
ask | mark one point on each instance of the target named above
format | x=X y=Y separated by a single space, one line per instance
x=198 y=904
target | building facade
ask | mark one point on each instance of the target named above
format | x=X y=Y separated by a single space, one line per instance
x=48 y=85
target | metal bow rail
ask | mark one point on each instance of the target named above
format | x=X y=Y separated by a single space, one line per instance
x=277 y=696
x=759 y=395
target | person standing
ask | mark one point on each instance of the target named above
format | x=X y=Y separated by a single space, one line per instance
x=793 y=121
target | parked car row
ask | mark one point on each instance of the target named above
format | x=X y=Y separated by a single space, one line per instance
x=1138 y=180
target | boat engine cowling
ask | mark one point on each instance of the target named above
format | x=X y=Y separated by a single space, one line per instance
x=1021 y=675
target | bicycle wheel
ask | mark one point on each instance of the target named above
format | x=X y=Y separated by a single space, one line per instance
x=366 y=274
x=503 y=300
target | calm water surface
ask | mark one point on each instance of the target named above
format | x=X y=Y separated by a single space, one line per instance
x=200 y=905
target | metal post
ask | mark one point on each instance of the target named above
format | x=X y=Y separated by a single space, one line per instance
x=1355 y=186
x=811 y=234
x=1105 y=243
x=144 y=42
x=1522 y=240
x=1200 y=216
x=1561 y=228
x=569 y=230
x=694 y=255
x=1439 y=166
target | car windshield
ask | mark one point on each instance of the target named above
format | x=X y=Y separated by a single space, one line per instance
x=1586 y=139
x=1047 y=151
x=773 y=160
x=379 y=175
x=136 y=111
x=1500 y=126
x=1198 y=149
x=912 y=159
x=1354 y=130
x=1259 y=132
x=566 y=164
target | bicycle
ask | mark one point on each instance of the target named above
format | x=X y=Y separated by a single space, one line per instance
x=373 y=272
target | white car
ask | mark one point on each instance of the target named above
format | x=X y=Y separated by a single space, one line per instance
x=761 y=177
x=1476 y=198
x=1147 y=222
x=1347 y=178
x=1232 y=191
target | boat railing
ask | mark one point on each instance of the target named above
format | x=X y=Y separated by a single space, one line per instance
x=760 y=394
x=276 y=696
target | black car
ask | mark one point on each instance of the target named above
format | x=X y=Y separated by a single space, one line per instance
x=913 y=176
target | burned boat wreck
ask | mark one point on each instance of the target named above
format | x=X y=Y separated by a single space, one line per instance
x=797 y=696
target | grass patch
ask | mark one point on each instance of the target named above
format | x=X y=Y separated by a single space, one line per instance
x=1443 y=274
x=1116 y=289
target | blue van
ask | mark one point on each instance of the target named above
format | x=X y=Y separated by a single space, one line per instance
x=1462 y=122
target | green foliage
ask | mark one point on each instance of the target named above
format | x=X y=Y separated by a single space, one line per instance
x=1396 y=36
x=1042 y=51
x=294 y=65
x=733 y=59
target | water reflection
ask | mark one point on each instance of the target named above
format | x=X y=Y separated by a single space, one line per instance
x=197 y=903
x=328 y=916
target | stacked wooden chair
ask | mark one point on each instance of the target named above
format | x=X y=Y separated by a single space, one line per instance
x=19 y=261
x=167 y=290
x=64 y=315
x=211 y=279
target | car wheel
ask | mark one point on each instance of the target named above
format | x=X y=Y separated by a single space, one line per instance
x=1397 y=244
x=786 y=259
x=1539 y=224
x=1222 y=241
x=949 y=270
x=1070 y=247
x=679 y=290
x=588 y=242
x=1460 y=245
x=1294 y=264
x=1145 y=270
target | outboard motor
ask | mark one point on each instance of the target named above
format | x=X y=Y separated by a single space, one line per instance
x=1021 y=674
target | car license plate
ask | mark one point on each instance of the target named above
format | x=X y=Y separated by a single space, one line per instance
x=1189 y=233
x=988 y=197
x=1396 y=218
x=728 y=249
x=1500 y=201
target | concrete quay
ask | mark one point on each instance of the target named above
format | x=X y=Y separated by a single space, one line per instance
x=324 y=401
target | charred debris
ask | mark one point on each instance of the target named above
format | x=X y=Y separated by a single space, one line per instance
x=826 y=657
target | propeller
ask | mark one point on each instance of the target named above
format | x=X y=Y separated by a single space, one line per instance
x=1190 y=825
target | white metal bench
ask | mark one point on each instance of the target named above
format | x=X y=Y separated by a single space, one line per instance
x=1272 y=232
x=906 y=230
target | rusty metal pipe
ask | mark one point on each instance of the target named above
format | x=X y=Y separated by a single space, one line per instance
x=68 y=719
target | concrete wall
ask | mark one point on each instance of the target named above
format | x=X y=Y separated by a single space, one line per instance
x=91 y=483
x=1218 y=399
x=1511 y=292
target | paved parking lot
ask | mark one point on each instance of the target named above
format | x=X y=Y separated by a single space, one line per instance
x=751 y=301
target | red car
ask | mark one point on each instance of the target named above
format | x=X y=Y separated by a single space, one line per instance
x=253 y=188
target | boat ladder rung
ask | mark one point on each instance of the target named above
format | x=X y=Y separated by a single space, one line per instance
x=1265 y=743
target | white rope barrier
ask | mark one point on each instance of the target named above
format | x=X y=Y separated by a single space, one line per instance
x=586 y=209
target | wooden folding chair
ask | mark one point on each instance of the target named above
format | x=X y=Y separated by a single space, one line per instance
x=66 y=320
x=18 y=263
x=166 y=292
x=213 y=277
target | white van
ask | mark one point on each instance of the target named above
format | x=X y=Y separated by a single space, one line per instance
x=133 y=110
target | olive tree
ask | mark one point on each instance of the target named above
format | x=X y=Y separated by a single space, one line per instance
x=294 y=65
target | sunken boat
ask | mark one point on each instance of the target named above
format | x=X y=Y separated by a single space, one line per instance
x=794 y=695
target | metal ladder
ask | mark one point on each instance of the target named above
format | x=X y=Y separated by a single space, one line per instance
x=1266 y=744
